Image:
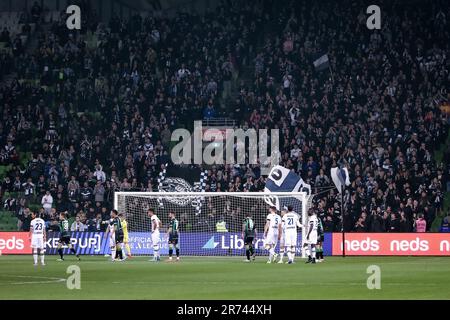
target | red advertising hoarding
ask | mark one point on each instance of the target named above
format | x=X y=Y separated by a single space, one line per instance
x=392 y=244
x=14 y=243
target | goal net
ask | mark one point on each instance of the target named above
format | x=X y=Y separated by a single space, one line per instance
x=210 y=223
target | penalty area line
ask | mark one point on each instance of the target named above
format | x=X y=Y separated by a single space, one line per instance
x=49 y=280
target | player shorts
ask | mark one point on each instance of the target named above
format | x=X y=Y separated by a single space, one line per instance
x=271 y=238
x=248 y=240
x=64 y=240
x=290 y=239
x=173 y=239
x=37 y=243
x=321 y=238
x=119 y=238
x=312 y=238
x=155 y=238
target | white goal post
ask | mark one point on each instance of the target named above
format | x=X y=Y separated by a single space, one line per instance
x=210 y=223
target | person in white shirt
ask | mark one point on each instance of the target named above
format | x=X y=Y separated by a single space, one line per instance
x=156 y=225
x=311 y=237
x=290 y=223
x=37 y=237
x=182 y=72
x=99 y=173
x=271 y=233
x=77 y=225
x=281 y=236
x=47 y=202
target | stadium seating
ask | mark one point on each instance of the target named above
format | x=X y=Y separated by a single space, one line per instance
x=109 y=97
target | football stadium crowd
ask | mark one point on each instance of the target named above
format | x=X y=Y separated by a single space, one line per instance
x=95 y=108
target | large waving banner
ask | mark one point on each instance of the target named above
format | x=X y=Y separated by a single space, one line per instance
x=281 y=179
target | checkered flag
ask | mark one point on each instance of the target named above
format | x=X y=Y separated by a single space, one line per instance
x=203 y=179
x=161 y=177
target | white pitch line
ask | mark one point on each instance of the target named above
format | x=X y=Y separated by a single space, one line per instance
x=49 y=280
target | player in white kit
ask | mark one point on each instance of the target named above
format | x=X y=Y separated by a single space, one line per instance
x=111 y=234
x=311 y=238
x=290 y=224
x=271 y=233
x=156 y=224
x=37 y=237
x=281 y=236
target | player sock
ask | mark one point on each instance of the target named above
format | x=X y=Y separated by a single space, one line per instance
x=281 y=254
x=60 y=251
x=170 y=250
x=113 y=253
x=119 y=254
x=271 y=253
x=122 y=248
x=35 y=256
x=313 y=252
x=247 y=253
x=127 y=247
x=42 y=255
x=177 y=251
x=73 y=250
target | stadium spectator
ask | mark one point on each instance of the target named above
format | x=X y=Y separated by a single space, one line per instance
x=360 y=225
x=78 y=225
x=445 y=224
x=421 y=224
x=47 y=202
x=99 y=192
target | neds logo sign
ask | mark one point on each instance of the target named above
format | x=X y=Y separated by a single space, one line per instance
x=12 y=244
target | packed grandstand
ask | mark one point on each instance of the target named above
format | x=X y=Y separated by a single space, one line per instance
x=89 y=112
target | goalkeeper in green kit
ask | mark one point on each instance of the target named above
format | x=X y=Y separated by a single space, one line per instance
x=249 y=235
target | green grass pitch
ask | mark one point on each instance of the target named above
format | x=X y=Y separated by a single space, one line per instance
x=226 y=278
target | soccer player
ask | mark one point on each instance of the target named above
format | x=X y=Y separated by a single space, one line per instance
x=156 y=224
x=249 y=234
x=111 y=234
x=271 y=233
x=311 y=238
x=116 y=228
x=64 y=236
x=281 y=236
x=291 y=222
x=37 y=237
x=321 y=238
x=126 y=245
x=172 y=232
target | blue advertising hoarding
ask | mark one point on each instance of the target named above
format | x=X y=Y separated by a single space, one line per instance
x=90 y=243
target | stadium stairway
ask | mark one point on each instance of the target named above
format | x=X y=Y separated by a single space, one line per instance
x=7 y=221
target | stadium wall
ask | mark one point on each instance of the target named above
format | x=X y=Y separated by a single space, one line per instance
x=223 y=244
